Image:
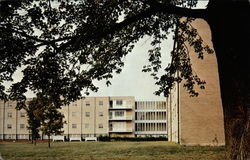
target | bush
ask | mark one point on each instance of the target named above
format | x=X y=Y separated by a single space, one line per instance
x=104 y=138
x=108 y=138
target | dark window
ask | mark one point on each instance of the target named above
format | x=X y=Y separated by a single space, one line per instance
x=87 y=114
x=87 y=103
x=100 y=103
x=22 y=126
x=119 y=102
x=9 y=126
x=74 y=126
x=100 y=125
x=100 y=114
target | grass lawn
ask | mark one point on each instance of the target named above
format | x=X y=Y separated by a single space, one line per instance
x=108 y=151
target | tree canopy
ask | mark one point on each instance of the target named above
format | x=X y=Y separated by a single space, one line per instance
x=62 y=46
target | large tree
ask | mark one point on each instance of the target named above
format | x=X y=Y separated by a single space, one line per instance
x=65 y=46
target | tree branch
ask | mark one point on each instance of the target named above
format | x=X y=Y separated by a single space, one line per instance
x=172 y=9
x=154 y=9
x=183 y=12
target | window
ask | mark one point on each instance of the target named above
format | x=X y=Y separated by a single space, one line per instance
x=111 y=104
x=9 y=126
x=9 y=104
x=100 y=125
x=22 y=126
x=100 y=114
x=87 y=114
x=22 y=114
x=9 y=115
x=74 y=104
x=74 y=126
x=87 y=103
x=110 y=115
x=119 y=102
x=86 y=125
x=100 y=103
x=74 y=114
x=119 y=113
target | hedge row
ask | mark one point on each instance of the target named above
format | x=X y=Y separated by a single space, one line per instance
x=107 y=138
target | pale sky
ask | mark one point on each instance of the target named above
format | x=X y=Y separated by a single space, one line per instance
x=131 y=81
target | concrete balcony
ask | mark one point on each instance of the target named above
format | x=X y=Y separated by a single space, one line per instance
x=120 y=130
x=150 y=121
x=125 y=118
x=151 y=132
x=126 y=107
x=121 y=105
x=150 y=110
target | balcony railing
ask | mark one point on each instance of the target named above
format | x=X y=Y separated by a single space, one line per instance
x=120 y=130
x=121 y=107
x=151 y=132
x=121 y=118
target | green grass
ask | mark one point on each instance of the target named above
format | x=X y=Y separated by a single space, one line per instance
x=108 y=151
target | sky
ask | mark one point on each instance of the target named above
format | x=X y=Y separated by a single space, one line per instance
x=131 y=81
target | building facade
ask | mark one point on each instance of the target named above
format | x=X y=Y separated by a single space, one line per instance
x=93 y=117
x=198 y=120
x=150 y=119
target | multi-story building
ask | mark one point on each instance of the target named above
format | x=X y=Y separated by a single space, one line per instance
x=92 y=117
x=121 y=116
x=151 y=119
x=198 y=120
x=86 y=117
x=13 y=122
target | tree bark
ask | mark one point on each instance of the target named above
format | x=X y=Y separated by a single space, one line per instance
x=49 y=140
x=230 y=26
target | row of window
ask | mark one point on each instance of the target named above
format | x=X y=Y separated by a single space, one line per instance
x=151 y=126
x=150 y=105
x=100 y=103
x=10 y=115
x=7 y=104
x=21 y=126
x=74 y=114
x=87 y=114
x=150 y=115
x=100 y=125
x=87 y=103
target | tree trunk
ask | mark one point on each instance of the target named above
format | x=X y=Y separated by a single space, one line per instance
x=49 y=140
x=230 y=27
x=32 y=139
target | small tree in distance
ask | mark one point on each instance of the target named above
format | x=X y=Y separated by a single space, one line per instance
x=51 y=119
x=44 y=115
x=34 y=115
